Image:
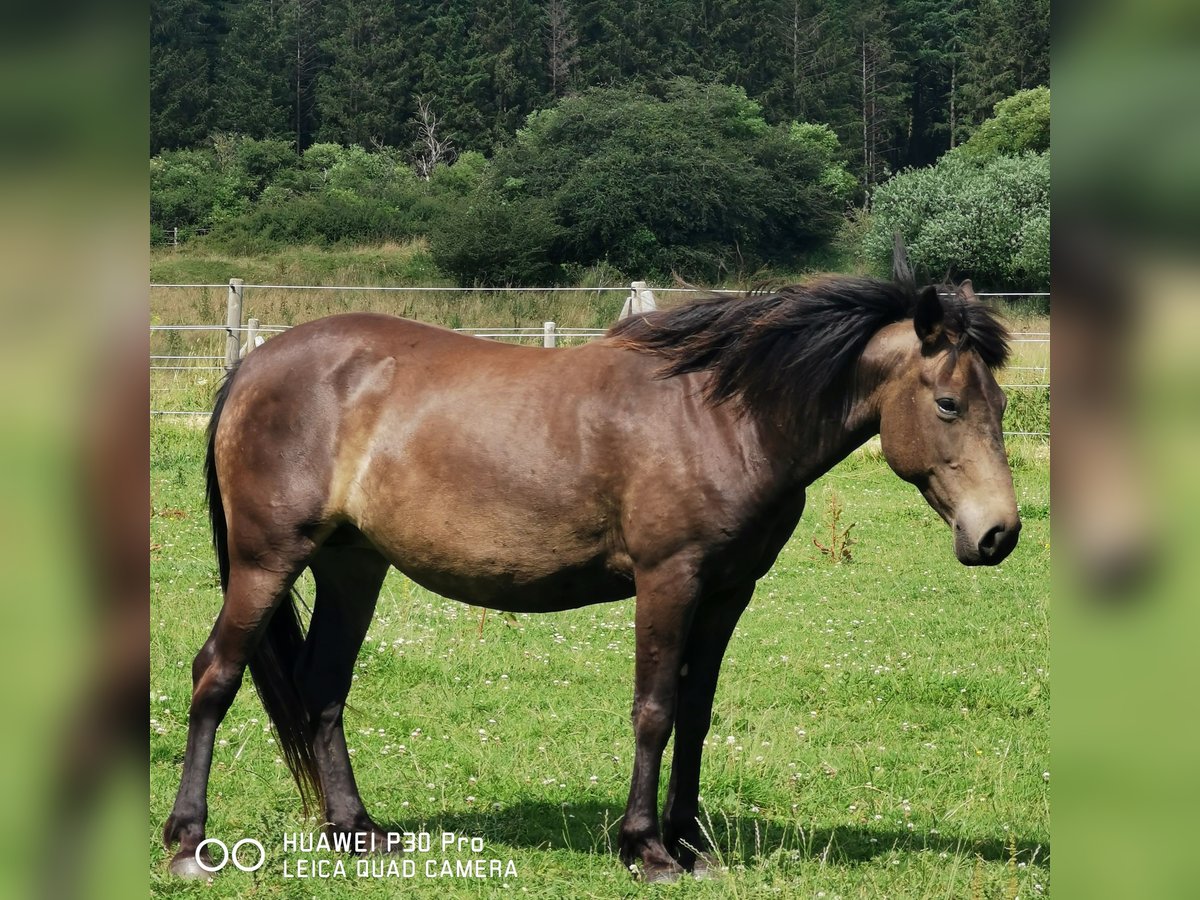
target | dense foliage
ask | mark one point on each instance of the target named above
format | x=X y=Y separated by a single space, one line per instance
x=1021 y=123
x=690 y=180
x=899 y=81
x=254 y=195
x=536 y=138
x=989 y=221
x=983 y=211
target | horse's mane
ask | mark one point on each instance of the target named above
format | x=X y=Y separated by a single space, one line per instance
x=791 y=352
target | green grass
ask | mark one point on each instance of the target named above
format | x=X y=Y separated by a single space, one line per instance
x=881 y=728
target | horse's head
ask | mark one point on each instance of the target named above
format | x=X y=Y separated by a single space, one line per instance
x=940 y=412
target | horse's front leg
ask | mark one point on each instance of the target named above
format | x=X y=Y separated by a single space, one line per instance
x=716 y=616
x=666 y=600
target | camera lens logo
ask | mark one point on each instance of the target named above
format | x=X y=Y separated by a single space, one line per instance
x=227 y=855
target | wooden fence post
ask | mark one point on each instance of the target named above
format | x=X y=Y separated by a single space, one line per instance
x=549 y=336
x=233 y=323
x=251 y=335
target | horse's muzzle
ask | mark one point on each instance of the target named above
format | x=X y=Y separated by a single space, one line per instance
x=990 y=548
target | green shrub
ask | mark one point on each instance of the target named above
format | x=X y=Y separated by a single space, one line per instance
x=190 y=190
x=690 y=179
x=258 y=195
x=989 y=221
x=460 y=178
x=262 y=162
x=1021 y=124
x=495 y=240
x=1028 y=410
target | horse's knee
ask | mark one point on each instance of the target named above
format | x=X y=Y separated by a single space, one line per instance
x=652 y=717
x=202 y=661
x=217 y=685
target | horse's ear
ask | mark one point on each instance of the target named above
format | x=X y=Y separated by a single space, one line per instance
x=929 y=316
x=902 y=270
x=967 y=290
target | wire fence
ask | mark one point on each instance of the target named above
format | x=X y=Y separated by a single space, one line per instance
x=187 y=360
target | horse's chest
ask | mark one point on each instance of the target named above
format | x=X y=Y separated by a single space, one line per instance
x=749 y=552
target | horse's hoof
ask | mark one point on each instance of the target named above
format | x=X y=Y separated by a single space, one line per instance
x=705 y=868
x=661 y=874
x=184 y=865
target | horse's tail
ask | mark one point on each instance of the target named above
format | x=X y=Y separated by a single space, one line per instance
x=273 y=664
x=216 y=507
x=273 y=668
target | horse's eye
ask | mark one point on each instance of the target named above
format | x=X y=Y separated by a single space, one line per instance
x=947 y=406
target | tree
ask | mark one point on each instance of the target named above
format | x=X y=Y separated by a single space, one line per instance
x=365 y=84
x=899 y=81
x=449 y=64
x=304 y=38
x=506 y=76
x=933 y=39
x=252 y=89
x=183 y=42
x=883 y=91
x=989 y=221
x=1009 y=51
x=561 y=55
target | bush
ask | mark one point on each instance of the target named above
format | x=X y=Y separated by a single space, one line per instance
x=460 y=178
x=1020 y=124
x=690 y=179
x=330 y=217
x=989 y=222
x=495 y=240
x=256 y=195
x=190 y=190
x=261 y=162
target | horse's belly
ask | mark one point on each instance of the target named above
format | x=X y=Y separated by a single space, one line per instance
x=514 y=589
x=502 y=564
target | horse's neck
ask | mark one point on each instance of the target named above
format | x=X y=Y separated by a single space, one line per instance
x=822 y=445
x=819 y=444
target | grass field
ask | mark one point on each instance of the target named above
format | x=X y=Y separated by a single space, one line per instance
x=881 y=728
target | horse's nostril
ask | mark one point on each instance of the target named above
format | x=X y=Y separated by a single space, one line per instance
x=992 y=539
x=998 y=541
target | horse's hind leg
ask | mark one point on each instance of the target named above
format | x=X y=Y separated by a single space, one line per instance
x=251 y=599
x=348 y=582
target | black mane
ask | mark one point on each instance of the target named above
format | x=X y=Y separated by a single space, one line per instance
x=792 y=352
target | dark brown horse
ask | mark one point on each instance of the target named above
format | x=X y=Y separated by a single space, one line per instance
x=668 y=460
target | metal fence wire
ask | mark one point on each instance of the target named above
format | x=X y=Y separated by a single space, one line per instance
x=186 y=360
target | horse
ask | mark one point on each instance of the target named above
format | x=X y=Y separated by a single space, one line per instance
x=667 y=460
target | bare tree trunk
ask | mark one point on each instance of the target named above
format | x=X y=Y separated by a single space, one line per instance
x=866 y=152
x=304 y=13
x=795 y=57
x=432 y=150
x=560 y=45
x=953 y=86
